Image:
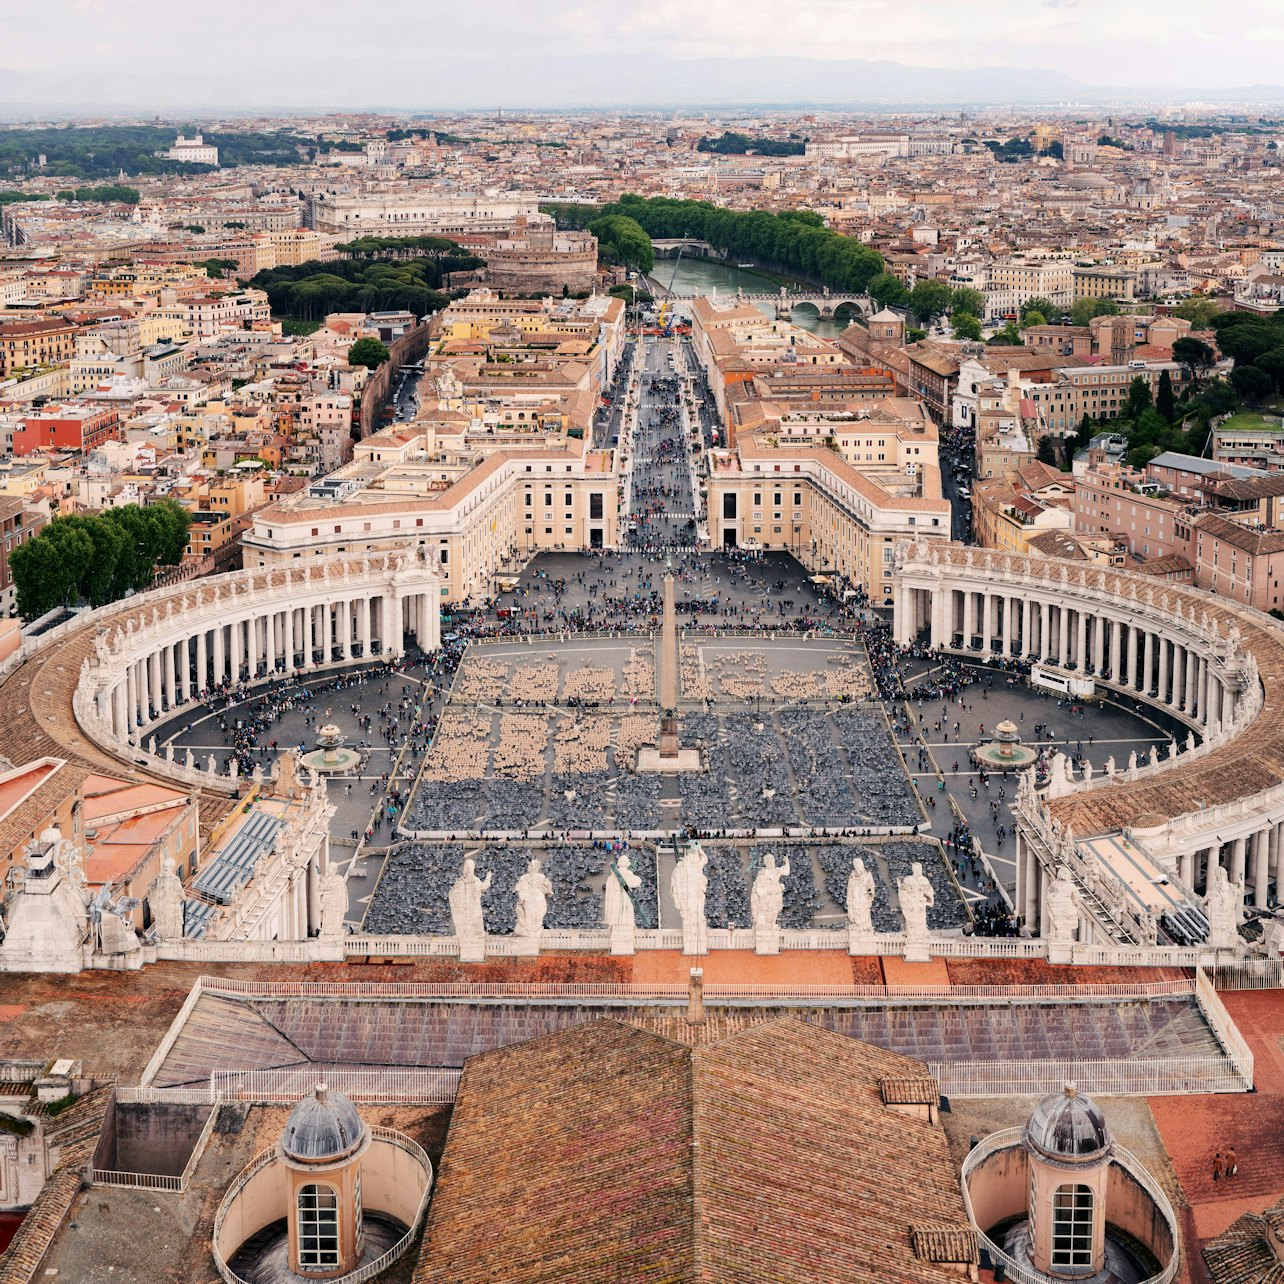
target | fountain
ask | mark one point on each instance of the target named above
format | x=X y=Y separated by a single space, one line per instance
x=1005 y=752
x=332 y=757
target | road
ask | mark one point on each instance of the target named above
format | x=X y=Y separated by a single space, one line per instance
x=958 y=464
x=661 y=502
x=607 y=419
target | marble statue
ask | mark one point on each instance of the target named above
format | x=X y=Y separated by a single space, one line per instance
x=1110 y=765
x=465 y=899
x=1154 y=755
x=533 y=891
x=189 y=758
x=1190 y=742
x=334 y=903
x=1172 y=748
x=1222 y=905
x=1273 y=936
x=1062 y=909
x=766 y=902
x=1087 y=772
x=687 y=886
x=1132 y=761
x=165 y=898
x=617 y=904
x=860 y=901
x=916 y=897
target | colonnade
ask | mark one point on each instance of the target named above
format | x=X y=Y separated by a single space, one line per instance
x=253 y=625
x=1132 y=652
x=1203 y=662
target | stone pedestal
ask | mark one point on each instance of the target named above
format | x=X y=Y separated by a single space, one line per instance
x=918 y=949
x=1061 y=951
x=623 y=940
x=472 y=950
x=861 y=943
x=766 y=940
x=526 y=946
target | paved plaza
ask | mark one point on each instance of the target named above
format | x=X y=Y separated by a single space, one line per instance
x=540 y=734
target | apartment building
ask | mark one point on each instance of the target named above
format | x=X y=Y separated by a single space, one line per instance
x=1010 y=282
x=799 y=496
x=420 y=213
x=1006 y=516
x=28 y=344
x=471 y=513
x=19 y=522
x=79 y=427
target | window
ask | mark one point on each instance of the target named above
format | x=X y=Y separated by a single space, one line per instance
x=1072 y=1229
x=318 y=1227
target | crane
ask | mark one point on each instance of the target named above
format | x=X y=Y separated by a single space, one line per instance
x=664 y=307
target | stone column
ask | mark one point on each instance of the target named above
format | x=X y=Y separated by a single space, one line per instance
x=1163 y=669
x=1238 y=852
x=1186 y=868
x=1081 y=640
x=1099 y=626
x=1063 y=635
x=969 y=621
x=171 y=689
x=154 y=681
x=1116 y=649
x=344 y=616
x=1273 y=855
x=252 y=645
x=220 y=666
x=1261 y=857
x=392 y=618
x=1131 y=676
x=1027 y=634
x=363 y=624
x=184 y=671
x=202 y=661
x=144 y=691
x=287 y=638
x=1148 y=662
x=235 y=649
x=1190 y=670
x=119 y=712
x=1007 y=625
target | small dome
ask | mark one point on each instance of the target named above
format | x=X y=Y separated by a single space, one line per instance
x=322 y=1128
x=1068 y=1126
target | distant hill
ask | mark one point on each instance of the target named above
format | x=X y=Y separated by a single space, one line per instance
x=412 y=83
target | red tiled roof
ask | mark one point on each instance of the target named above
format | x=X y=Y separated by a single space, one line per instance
x=608 y=1152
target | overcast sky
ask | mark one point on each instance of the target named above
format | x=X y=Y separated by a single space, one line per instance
x=429 y=53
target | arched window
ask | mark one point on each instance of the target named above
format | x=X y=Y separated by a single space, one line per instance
x=318 y=1227
x=1072 y=1229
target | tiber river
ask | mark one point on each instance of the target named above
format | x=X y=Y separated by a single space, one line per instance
x=705 y=276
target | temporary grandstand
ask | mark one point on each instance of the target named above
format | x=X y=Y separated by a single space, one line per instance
x=409 y=1042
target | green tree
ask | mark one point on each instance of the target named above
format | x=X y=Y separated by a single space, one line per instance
x=887 y=291
x=929 y=299
x=1165 y=402
x=367 y=352
x=1272 y=363
x=1082 y=311
x=965 y=326
x=40 y=577
x=1252 y=383
x=1047 y=452
x=1043 y=306
x=1140 y=398
x=1194 y=354
x=1009 y=336
x=1198 y=310
x=1032 y=318
x=967 y=300
x=622 y=240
